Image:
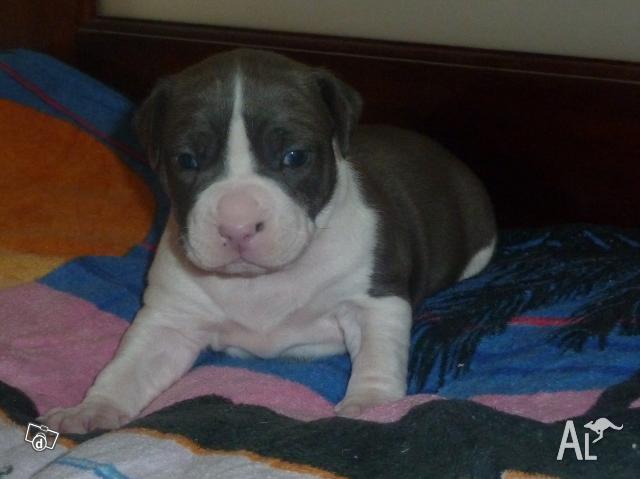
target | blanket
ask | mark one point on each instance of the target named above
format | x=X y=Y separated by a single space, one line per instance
x=529 y=370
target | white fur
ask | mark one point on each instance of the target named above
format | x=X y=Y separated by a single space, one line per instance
x=285 y=311
x=377 y=335
x=239 y=157
x=479 y=260
x=287 y=228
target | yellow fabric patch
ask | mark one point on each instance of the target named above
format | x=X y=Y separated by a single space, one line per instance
x=17 y=268
x=62 y=194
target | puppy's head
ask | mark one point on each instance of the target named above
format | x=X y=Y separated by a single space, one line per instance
x=245 y=145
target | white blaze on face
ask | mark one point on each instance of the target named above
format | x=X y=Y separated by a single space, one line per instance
x=244 y=223
x=239 y=161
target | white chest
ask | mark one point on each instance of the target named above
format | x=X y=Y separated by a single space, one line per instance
x=290 y=312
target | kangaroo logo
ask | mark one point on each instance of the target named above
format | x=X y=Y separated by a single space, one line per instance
x=599 y=426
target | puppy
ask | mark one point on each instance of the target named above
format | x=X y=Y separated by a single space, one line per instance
x=293 y=232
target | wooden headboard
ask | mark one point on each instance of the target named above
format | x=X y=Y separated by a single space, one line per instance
x=556 y=139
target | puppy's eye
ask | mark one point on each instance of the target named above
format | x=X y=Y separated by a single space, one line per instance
x=187 y=161
x=295 y=158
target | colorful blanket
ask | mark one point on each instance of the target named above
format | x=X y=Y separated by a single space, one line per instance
x=507 y=367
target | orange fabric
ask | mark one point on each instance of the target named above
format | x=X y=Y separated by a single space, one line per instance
x=62 y=194
x=524 y=475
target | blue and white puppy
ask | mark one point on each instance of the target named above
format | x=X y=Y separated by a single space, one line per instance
x=293 y=231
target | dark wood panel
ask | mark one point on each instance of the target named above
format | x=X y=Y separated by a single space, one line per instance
x=556 y=139
x=43 y=25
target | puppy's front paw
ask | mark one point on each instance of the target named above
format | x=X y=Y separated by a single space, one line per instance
x=87 y=416
x=356 y=403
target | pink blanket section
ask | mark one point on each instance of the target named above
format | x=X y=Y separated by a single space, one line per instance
x=54 y=344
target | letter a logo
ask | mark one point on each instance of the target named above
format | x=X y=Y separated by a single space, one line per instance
x=569 y=430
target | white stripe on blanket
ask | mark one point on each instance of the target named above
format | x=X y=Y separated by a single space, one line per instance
x=148 y=454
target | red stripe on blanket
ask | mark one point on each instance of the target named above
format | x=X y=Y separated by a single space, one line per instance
x=540 y=321
x=56 y=105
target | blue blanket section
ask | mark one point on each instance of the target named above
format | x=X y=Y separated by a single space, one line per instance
x=113 y=284
x=464 y=343
x=585 y=278
x=522 y=360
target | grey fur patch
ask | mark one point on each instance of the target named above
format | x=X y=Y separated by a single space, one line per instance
x=286 y=106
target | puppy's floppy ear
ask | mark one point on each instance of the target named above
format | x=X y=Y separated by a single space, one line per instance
x=345 y=106
x=147 y=123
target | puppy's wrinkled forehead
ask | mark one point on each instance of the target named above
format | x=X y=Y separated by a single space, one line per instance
x=264 y=89
x=248 y=113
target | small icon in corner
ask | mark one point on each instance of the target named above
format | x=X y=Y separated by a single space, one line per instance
x=41 y=437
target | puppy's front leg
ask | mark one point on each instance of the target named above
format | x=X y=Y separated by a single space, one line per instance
x=155 y=351
x=377 y=334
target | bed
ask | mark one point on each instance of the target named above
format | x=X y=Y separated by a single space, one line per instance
x=501 y=363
